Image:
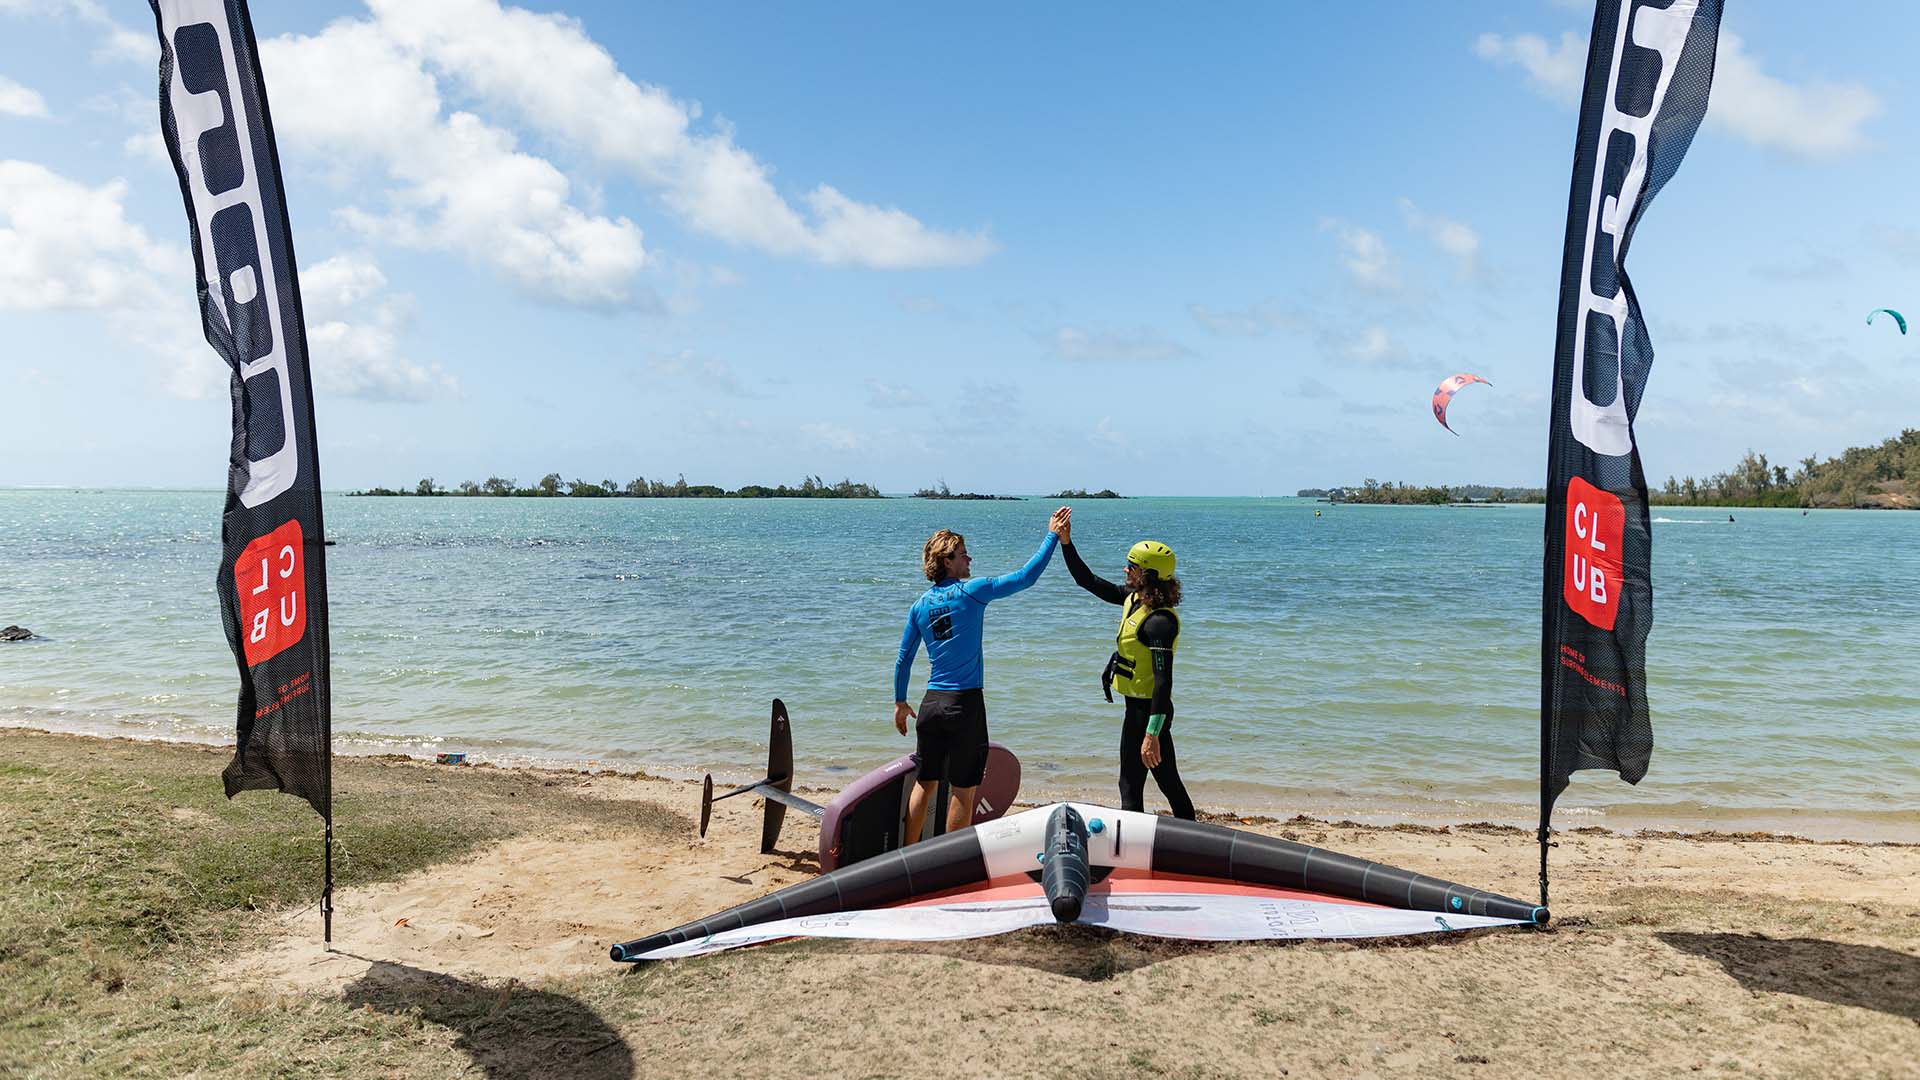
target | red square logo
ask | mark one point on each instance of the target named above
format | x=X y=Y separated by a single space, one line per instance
x=271 y=579
x=1591 y=579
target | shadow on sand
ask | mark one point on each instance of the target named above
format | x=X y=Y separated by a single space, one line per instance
x=1865 y=976
x=1087 y=953
x=510 y=1030
x=1095 y=954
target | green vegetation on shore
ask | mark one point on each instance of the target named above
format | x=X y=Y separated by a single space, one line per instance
x=1081 y=493
x=1392 y=494
x=552 y=486
x=130 y=876
x=1867 y=477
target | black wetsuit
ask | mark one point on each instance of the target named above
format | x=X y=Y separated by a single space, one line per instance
x=1157 y=632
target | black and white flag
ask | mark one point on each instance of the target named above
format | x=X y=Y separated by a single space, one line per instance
x=1649 y=69
x=273 y=578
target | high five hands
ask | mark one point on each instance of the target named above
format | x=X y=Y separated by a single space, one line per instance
x=1062 y=524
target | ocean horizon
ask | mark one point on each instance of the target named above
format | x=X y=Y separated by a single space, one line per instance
x=1378 y=663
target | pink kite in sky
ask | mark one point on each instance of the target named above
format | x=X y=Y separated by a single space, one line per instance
x=1443 y=394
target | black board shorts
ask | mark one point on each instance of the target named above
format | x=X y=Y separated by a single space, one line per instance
x=952 y=736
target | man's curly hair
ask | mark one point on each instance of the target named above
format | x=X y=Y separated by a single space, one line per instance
x=933 y=557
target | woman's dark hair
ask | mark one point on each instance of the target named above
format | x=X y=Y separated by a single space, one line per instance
x=1158 y=592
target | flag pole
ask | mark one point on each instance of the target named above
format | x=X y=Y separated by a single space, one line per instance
x=1546 y=759
x=326 y=894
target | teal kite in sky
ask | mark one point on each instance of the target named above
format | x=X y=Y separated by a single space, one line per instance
x=1897 y=317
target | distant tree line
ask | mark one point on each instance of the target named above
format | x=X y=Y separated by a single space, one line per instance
x=1082 y=493
x=552 y=486
x=1884 y=476
x=1392 y=494
x=941 y=491
x=1887 y=476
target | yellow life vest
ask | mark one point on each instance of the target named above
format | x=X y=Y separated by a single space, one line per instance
x=1132 y=660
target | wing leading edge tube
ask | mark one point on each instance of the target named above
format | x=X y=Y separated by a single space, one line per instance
x=1176 y=853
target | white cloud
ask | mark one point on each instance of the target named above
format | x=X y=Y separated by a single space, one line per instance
x=885 y=238
x=703 y=371
x=1364 y=255
x=1818 y=119
x=351 y=96
x=18 y=100
x=508 y=56
x=1454 y=238
x=353 y=331
x=1142 y=345
x=833 y=436
x=148 y=146
x=66 y=245
x=1556 y=72
x=886 y=396
x=119 y=43
x=1375 y=345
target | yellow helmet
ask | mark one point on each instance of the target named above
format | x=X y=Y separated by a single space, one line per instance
x=1152 y=556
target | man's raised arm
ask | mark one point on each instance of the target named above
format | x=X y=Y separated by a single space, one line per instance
x=1023 y=578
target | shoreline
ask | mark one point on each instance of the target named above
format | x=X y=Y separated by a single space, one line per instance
x=1862 y=828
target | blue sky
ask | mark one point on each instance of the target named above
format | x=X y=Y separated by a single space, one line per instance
x=1225 y=252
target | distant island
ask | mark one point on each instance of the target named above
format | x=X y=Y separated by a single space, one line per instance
x=551 y=486
x=1077 y=493
x=942 y=492
x=1884 y=477
x=1374 y=492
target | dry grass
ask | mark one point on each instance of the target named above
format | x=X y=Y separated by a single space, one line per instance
x=126 y=876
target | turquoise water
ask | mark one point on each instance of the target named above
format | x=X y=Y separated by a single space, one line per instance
x=1375 y=662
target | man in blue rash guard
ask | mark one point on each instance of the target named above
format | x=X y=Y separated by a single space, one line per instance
x=952 y=721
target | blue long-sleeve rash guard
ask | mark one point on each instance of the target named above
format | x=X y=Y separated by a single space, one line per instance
x=949 y=617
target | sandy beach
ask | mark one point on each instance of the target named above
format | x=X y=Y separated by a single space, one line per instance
x=1751 y=955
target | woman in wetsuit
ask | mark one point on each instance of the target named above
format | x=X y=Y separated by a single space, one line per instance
x=1141 y=667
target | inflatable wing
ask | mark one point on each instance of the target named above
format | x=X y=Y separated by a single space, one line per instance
x=1899 y=319
x=1095 y=866
x=1443 y=394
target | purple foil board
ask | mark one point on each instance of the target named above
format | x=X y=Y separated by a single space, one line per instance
x=870 y=815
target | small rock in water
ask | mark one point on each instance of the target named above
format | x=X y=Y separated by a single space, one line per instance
x=15 y=633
